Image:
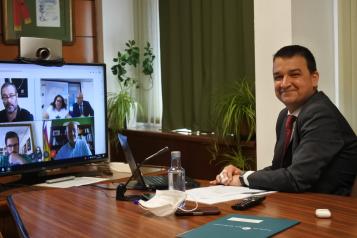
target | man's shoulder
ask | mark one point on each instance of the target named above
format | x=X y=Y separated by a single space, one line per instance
x=3 y=115
x=61 y=152
x=4 y=160
x=24 y=115
x=319 y=103
x=24 y=111
x=4 y=157
x=26 y=157
x=282 y=114
x=81 y=142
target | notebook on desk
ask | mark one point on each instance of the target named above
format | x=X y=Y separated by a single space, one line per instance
x=237 y=225
x=145 y=182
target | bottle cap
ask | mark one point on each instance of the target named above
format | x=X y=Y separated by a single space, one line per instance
x=176 y=153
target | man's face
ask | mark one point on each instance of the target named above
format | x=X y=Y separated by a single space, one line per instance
x=79 y=98
x=12 y=145
x=293 y=82
x=72 y=134
x=9 y=98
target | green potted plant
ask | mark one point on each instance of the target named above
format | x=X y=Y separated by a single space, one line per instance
x=122 y=102
x=235 y=120
x=235 y=111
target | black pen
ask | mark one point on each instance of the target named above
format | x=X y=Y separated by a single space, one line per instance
x=198 y=212
x=254 y=192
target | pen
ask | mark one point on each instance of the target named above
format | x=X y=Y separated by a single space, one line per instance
x=254 y=192
x=197 y=213
x=62 y=179
x=200 y=213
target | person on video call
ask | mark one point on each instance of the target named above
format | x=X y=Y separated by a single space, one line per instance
x=320 y=154
x=12 y=151
x=12 y=111
x=75 y=147
x=57 y=109
x=81 y=107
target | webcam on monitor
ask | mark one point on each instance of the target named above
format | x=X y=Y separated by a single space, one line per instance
x=35 y=49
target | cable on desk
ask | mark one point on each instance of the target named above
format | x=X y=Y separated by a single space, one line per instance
x=102 y=190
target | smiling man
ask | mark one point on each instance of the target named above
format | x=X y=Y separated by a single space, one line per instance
x=316 y=149
x=75 y=147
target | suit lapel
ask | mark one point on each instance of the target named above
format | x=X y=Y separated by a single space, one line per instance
x=279 y=148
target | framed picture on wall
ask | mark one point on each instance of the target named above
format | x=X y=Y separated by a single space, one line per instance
x=37 y=18
x=21 y=86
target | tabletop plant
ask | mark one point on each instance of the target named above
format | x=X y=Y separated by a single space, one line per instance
x=122 y=102
x=235 y=121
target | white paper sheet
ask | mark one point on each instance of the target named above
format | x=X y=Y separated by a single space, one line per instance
x=48 y=13
x=220 y=193
x=120 y=167
x=78 y=181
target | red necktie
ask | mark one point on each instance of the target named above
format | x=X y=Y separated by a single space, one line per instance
x=288 y=131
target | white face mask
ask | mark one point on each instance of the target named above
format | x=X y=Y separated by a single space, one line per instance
x=164 y=203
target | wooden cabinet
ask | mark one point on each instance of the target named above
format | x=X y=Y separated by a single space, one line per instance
x=195 y=151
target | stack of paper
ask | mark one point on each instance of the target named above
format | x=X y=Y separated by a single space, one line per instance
x=221 y=193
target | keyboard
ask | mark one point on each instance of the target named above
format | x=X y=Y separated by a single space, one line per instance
x=161 y=182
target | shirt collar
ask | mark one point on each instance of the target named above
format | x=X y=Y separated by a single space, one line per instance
x=295 y=113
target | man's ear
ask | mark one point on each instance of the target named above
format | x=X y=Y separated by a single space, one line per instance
x=315 y=79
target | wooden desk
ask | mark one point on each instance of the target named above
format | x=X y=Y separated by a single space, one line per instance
x=93 y=212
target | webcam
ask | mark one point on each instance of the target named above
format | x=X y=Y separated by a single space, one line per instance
x=40 y=49
x=43 y=53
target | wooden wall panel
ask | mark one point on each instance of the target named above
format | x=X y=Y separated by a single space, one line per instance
x=83 y=51
x=84 y=47
x=84 y=23
x=8 y=52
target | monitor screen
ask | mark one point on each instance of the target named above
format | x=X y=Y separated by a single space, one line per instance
x=51 y=116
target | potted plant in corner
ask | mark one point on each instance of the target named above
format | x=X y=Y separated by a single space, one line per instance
x=121 y=103
x=235 y=121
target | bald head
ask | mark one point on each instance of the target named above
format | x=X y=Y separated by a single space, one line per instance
x=79 y=97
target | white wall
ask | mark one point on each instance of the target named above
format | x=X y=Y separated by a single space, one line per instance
x=115 y=24
x=312 y=26
x=273 y=29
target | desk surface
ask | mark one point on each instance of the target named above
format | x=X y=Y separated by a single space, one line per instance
x=89 y=211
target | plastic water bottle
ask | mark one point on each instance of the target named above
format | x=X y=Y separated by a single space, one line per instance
x=176 y=174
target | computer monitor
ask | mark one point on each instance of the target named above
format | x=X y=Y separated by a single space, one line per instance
x=51 y=116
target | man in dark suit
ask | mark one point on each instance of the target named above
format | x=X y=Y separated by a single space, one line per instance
x=320 y=153
x=81 y=107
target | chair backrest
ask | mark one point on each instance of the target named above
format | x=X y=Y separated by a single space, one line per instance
x=354 y=188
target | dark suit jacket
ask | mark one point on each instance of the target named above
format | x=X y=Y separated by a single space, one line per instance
x=323 y=152
x=22 y=115
x=87 y=110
